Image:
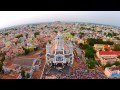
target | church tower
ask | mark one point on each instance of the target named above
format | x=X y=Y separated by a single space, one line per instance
x=59 y=42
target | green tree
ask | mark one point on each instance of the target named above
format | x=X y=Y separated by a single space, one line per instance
x=108 y=65
x=106 y=49
x=27 y=51
x=117 y=48
x=19 y=36
x=6 y=33
x=55 y=31
x=36 y=33
x=49 y=41
x=23 y=74
x=1 y=67
x=89 y=54
x=28 y=75
x=91 y=63
x=118 y=56
x=104 y=33
x=81 y=33
x=115 y=34
x=65 y=29
x=72 y=34
x=36 y=48
x=109 y=34
x=81 y=45
x=108 y=42
x=116 y=63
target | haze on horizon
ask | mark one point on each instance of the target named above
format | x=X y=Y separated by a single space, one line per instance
x=13 y=18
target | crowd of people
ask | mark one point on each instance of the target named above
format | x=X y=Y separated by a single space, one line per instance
x=81 y=72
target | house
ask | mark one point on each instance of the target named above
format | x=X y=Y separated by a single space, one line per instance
x=12 y=75
x=9 y=68
x=99 y=47
x=29 y=65
x=2 y=46
x=112 y=72
x=103 y=47
x=51 y=77
x=108 y=56
x=116 y=41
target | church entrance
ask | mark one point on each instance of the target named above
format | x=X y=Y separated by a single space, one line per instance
x=59 y=65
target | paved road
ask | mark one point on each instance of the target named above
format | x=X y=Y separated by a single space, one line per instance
x=78 y=50
x=43 y=71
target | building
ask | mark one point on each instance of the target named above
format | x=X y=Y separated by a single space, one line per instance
x=29 y=65
x=15 y=68
x=99 y=47
x=59 y=53
x=112 y=72
x=108 y=56
x=12 y=75
x=103 y=47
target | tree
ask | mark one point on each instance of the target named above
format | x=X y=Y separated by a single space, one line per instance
x=23 y=74
x=104 y=33
x=89 y=54
x=1 y=67
x=108 y=42
x=109 y=34
x=72 y=34
x=82 y=28
x=6 y=33
x=36 y=48
x=108 y=65
x=118 y=56
x=81 y=45
x=117 y=48
x=115 y=34
x=65 y=29
x=36 y=33
x=28 y=75
x=81 y=33
x=92 y=41
x=106 y=49
x=116 y=63
x=55 y=31
x=91 y=63
x=49 y=41
x=19 y=36
x=27 y=51
x=85 y=46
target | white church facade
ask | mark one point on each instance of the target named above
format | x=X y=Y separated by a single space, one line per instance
x=59 y=53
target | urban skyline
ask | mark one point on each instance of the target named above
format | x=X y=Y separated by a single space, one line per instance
x=14 y=18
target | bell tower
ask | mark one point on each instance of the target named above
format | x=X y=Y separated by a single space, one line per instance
x=59 y=41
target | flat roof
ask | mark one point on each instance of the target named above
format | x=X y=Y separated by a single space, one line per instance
x=12 y=75
x=24 y=61
x=109 y=53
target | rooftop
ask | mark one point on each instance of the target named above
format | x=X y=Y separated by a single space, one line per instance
x=12 y=75
x=25 y=69
x=13 y=66
x=24 y=61
x=109 y=53
x=115 y=68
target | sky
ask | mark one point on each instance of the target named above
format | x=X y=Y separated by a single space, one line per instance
x=11 y=18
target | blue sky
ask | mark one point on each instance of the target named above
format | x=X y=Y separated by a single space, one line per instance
x=11 y=18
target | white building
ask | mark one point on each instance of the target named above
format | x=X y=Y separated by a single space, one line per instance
x=59 y=53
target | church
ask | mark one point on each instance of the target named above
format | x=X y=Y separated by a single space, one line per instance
x=59 y=53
